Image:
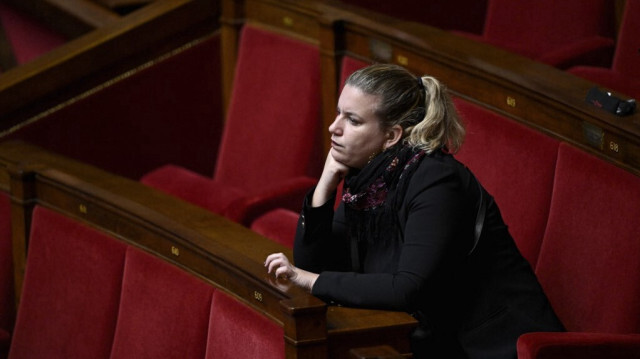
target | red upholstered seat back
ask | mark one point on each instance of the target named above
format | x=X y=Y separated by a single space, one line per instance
x=536 y=28
x=71 y=290
x=6 y=266
x=589 y=262
x=516 y=165
x=233 y=322
x=27 y=37
x=278 y=225
x=349 y=66
x=164 y=312
x=273 y=122
x=627 y=56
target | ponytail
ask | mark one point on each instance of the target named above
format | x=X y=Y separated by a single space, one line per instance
x=441 y=126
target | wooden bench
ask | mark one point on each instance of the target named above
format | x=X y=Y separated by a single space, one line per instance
x=115 y=268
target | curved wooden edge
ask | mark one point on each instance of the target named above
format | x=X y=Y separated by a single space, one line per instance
x=27 y=89
x=194 y=239
x=224 y=253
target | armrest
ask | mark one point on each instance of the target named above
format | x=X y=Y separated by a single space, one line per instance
x=593 y=51
x=570 y=345
x=288 y=194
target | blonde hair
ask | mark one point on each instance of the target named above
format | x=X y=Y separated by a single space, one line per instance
x=420 y=105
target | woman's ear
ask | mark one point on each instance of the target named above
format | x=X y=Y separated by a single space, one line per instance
x=394 y=135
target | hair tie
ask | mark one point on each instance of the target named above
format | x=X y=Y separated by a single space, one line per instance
x=419 y=78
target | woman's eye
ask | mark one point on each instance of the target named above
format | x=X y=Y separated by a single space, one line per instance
x=353 y=121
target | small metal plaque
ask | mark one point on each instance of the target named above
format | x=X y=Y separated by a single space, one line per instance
x=175 y=251
x=287 y=21
x=593 y=134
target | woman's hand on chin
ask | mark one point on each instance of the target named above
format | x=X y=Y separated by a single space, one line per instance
x=332 y=174
x=279 y=265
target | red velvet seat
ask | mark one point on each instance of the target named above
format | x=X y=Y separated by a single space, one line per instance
x=232 y=321
x=269 y=143
x=164 y=312
x=280 y=224
x=516 y=164
x=589 y=263
x=71 y=291
x=27 y=37
x=6 y=275
x=624 y=74
x=559 y=33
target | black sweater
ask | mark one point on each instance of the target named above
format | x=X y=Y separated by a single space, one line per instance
x=473 y=305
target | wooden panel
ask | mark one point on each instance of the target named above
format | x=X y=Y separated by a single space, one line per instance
x=72 y=18
x=89 y=61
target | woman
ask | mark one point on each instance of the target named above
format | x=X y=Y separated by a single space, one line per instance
x=415 y=231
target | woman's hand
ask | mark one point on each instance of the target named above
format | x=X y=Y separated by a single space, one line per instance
x=332 y=174
x=279 y=264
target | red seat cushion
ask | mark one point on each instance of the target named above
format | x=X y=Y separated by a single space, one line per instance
x=193 y=187
x=279 y=225
x=71 y=290
x=589 y=262
x=164 y=311
x=237 y=331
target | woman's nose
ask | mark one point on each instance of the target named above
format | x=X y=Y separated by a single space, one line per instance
x=335 y=126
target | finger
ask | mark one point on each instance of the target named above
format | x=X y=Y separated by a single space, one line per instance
x=271 y=258
x=274 y=264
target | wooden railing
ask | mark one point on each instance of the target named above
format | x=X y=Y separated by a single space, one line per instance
x=223 y=253
x=103 y=45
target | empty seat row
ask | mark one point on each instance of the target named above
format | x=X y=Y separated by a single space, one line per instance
x=270 y=145
x=87 y=294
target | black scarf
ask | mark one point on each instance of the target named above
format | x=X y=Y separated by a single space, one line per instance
x=373 y=195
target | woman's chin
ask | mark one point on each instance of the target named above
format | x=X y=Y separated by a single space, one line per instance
x=340 y=157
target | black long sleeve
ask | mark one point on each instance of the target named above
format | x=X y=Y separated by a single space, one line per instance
x=435 y=212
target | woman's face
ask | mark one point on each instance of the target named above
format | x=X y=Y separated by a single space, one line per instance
x=356 y=133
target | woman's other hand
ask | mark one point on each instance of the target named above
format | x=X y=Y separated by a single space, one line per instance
x=278 y=264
